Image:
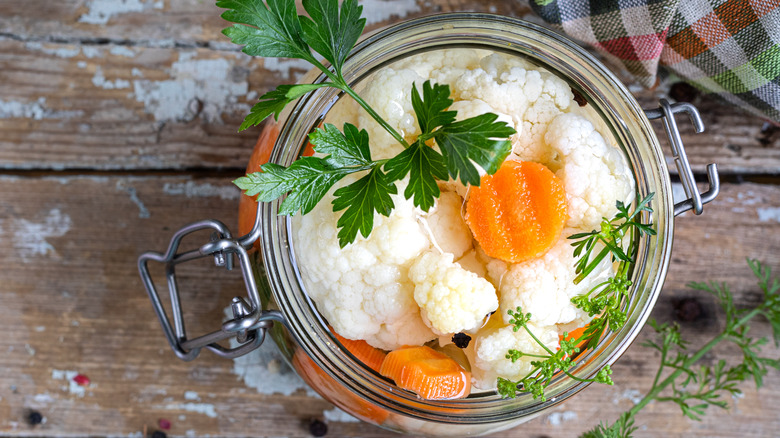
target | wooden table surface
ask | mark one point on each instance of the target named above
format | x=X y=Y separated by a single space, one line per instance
x=118 y=125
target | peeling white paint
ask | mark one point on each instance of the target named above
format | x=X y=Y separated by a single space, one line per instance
x=216 y=83
x=749 y=198
x=91 y=51
x=265 y=370
x=191 y=395
x=143 y=212
x=36 y=110
x=136 y=73
x=43 y=398
x=30 y=349
x=633 y=395
x=377 y=11
x=768 y=214
x=122 y=51
x=556 y=418
x=206 y=409
x=99 y=80
x=338 y=416
x=40 y=328
x=291 y=69
x=73 y=387
x=30 y=237
x=101 y=11
x=191 y=189
x=58 y=51
x=81 y=64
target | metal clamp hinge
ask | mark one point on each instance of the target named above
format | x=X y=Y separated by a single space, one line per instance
x=249 y=322
x=694 y=200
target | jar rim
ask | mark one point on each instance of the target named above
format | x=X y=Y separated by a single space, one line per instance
x=559 y=55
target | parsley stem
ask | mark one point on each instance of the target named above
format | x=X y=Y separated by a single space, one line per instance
x=342 y=84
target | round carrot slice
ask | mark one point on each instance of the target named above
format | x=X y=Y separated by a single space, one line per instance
x=427 y=372
x=518 y=213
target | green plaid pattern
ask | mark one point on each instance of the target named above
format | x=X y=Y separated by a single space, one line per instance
x=729 y=48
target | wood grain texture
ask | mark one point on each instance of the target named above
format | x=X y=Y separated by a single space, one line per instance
x=72 y=103
x=140 y=101
x=72 y=301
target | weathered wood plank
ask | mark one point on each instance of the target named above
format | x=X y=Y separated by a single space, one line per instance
x=72 y=302
x=185 y=22
x=127 y=107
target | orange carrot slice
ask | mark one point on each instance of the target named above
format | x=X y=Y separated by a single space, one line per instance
x=430 y=374
x=247 y=206
x=332 y=390
x=518 y=213
x=372 y=357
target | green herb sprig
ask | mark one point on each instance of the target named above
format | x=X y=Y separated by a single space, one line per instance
x=610 y=234
x=550 y=364
x=276 y=30
x=605 y=301
x=694 y=388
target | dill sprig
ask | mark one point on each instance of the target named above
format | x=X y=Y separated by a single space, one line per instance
x=694 y=387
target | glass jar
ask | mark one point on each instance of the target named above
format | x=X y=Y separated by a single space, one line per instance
x=304 y=337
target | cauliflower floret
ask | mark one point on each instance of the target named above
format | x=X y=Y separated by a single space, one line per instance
x=594 y=173
x=389 y=94
x=471 y=262
x=544 y=286
x=363 y=290
x=449 y=230
x=451 y=299
x=491 y=348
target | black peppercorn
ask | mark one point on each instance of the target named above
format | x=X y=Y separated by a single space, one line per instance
x=159 y=434
x=579 y=98
x=318 y=428
x=461 y=340
x=34 y=417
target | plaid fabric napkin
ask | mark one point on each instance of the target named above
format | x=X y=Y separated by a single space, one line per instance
x=730 y=48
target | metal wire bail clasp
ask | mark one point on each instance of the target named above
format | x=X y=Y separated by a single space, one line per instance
x=248 y=324
x=694 y=200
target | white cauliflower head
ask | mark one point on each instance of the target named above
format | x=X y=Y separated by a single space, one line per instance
x=448 y=228
x=492 y=346
x=363 y=290
x=451 y=299
x=595 y=174
x=545 y=286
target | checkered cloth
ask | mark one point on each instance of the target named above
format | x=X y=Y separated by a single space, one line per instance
x=730 y=48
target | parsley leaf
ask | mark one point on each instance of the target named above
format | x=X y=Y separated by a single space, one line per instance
x=274 y=102
x=426 y=166
x=307 y=179
x=476 y=139
x=329 y=33
x=347 y=149
x=273 y=31
x=361 y=199
x=430 y=109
